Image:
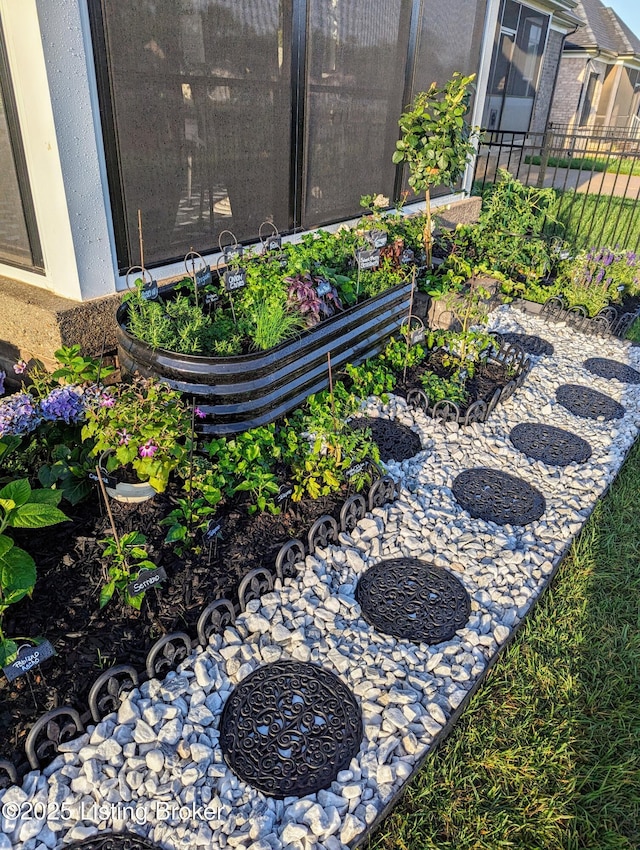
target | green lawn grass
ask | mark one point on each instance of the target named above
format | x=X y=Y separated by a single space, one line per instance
x=588 y=220
x=547 y=754
x=613 y=165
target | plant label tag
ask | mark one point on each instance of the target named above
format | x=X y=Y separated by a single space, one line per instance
x=28 y=658
x=211 y=298
x=378 y=238
x=357 y=469
x=203 y=277
x=273 y=243
x=368 y=258
x=149 y=291
x=407 y=256
x=213 y=530
x=323 y=288
x=283 y=260
x=285 y=491
x=107 y=480
x=416 y=336
x=232 y=252
x=145 y=580
x=235 y=279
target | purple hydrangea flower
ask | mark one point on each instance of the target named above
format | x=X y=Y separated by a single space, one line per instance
x=19 y=415
x=66 y=403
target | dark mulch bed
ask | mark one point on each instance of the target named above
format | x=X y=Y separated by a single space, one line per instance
x=486 y=379
x=64 y=608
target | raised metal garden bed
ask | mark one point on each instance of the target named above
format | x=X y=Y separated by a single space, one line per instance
x=245 y=391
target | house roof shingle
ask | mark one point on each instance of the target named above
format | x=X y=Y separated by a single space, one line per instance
x=602 y=29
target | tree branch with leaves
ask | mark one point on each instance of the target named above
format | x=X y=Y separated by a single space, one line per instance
x=436 y=141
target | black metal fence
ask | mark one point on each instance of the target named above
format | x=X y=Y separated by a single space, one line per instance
x=596 y=177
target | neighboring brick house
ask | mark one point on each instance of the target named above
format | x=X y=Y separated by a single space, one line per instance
x=598 y=82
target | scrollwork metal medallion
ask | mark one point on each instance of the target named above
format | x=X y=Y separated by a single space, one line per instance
x=322 y=533
x=256 y=583
x=495 y=496
x=382 y=491
x=588 y=403
x=108 y=689
x=412 y=600
x=551 y=445
x=291 y=553
x=612 y=369
x=395 y=441
x=289 y=728
x=54 y=728
x=352 y=512
x=113 y=841
x=530 y=343
x=215 y=618
x=166 y=653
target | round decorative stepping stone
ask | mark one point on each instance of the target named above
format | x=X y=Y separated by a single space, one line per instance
x=113 y=841
x=588 y=403
x=498 y=497
x=395 y=441
x=605 y=368
x=289 y=728
x=530 y=343
x=412 y=600
x=551 y=445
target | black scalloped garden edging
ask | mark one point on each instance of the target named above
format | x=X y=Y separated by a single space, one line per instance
x=610 y=321
x=509 y=355
x=243 y=392
x=64 y=723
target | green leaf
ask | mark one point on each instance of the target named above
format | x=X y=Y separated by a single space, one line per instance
x=6 y=543
x=397 y=157
x=106 y=593
x=8 y=652
x=16 y=491
x=17 y=571
x=36 y=516
x=45 y=497
x=176 y=532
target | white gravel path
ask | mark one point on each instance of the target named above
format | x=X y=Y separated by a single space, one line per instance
x=156 y=767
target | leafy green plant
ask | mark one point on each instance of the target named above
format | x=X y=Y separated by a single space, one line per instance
x=126 y=557
x=438 y=389
x=436 y=140
x=20 y=507
x=144 y=424
x=371 y=378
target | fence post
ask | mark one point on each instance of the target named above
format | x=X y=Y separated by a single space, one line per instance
x=544 y=155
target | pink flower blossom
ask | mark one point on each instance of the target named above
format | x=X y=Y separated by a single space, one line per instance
x=148 y=450
x=20 y=367
x=199 y=413
x=124 y=437
x=107 y=400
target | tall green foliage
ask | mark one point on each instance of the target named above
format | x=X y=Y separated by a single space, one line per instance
x=436 y=140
